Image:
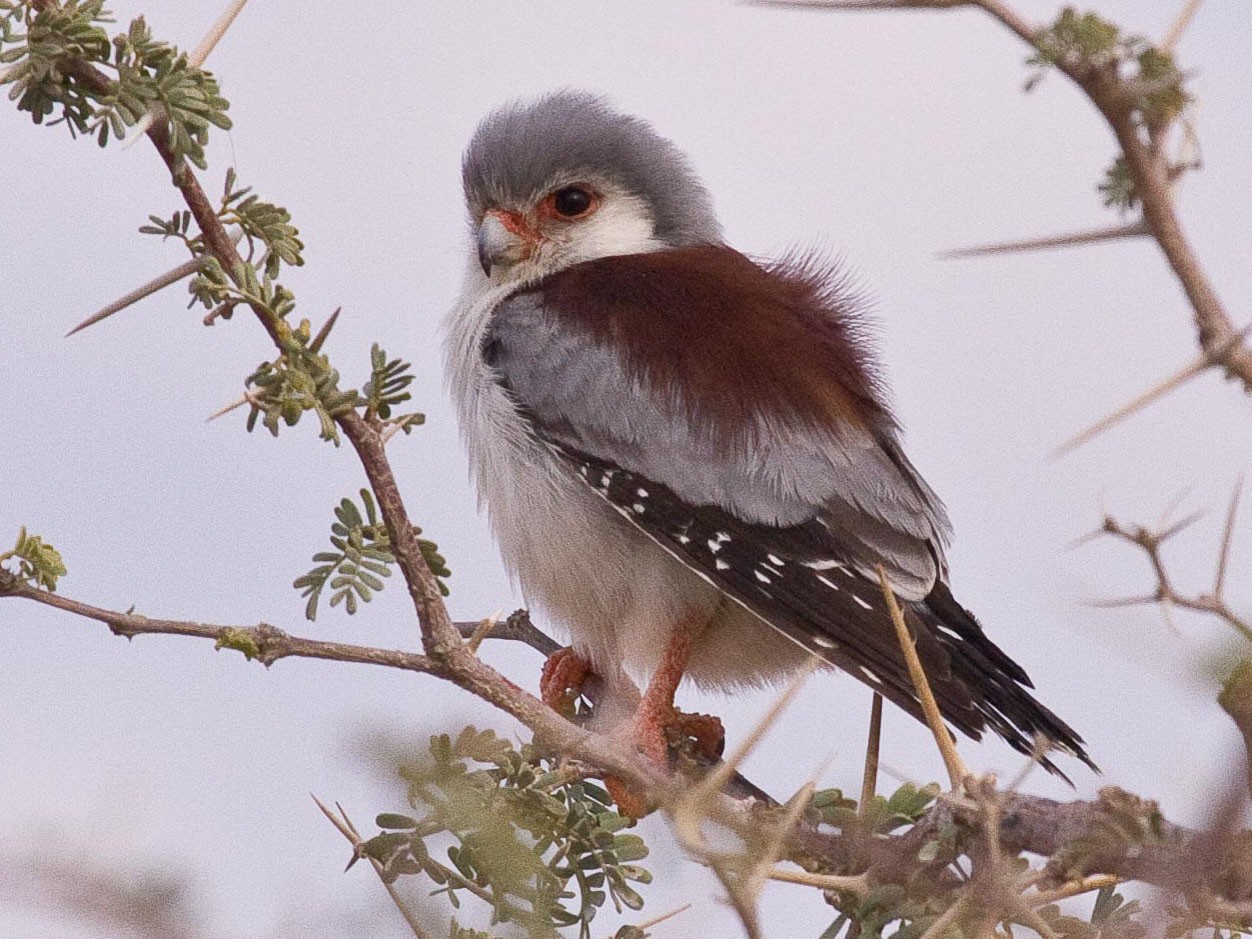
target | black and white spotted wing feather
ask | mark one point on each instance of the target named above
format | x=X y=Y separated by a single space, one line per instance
x=794 y=579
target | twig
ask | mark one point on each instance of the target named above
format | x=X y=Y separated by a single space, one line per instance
x=348 y=830
x=268 y=644
x=1151 y=541
x=869 y=780
x=517 y=628
x=934 y=719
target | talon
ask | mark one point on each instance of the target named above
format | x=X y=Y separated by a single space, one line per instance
x=702 y=733
x=565 y=672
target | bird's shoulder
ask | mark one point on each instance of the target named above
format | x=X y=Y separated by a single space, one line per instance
x=732 y=339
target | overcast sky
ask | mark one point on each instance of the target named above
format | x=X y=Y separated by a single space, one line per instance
x=884 y=138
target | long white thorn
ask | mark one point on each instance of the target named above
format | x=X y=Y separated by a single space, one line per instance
x=1206 y=360
x=1136 y=229
x=1180 y=24
x=1134 y=405
x=172 y=276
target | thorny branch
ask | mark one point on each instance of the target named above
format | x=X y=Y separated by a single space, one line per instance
x=1152 y=541
x=1118 y=835
x=1087 y=843
x=441 y=640
x=1147 y=161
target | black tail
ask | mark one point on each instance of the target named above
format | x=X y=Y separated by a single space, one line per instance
x=996 y=685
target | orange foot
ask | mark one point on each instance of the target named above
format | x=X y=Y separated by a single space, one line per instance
x=565 y=672
x=654 y=734
x=656 y=727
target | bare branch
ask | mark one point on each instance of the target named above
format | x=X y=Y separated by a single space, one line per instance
x=1150 y=542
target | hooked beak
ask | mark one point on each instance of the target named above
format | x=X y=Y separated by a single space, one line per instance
x=504 y=239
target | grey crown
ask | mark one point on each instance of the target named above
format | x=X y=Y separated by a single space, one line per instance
x=522 y=150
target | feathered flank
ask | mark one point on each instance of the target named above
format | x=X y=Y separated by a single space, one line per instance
x=521 y=151
x=736 y=342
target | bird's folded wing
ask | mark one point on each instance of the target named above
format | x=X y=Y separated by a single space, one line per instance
x=738 y=387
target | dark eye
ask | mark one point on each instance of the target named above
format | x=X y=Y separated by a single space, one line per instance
x=571 y=202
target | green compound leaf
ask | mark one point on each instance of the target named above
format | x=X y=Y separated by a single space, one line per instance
x=386 y=388
x=354 y=571
x=38 y=563
x=536 y=845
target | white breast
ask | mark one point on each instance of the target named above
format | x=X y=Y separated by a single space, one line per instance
x=612 y=588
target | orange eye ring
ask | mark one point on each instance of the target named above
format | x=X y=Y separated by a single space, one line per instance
x=570 y=203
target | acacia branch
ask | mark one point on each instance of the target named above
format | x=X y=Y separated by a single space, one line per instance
x=267 y=644
x=440 y=637
x=1149 y=167
x=1151 y=541
x=1119 y=835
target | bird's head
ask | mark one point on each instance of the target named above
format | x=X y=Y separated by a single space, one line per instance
x=567 y=179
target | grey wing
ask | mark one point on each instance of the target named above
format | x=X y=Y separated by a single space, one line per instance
x=856 y=483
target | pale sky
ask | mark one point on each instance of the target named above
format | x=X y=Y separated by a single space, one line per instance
x=884 y=138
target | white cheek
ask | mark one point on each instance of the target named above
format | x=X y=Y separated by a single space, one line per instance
x=622 y=225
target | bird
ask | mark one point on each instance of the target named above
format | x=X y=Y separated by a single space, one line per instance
x=687 y=455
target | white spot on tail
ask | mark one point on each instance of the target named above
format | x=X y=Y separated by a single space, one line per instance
x=637 y=508
x=829 y=583
x=641 y=493
x=714 y=545
x=870 y=675
x=722 y=565
x=823 y=642
x=775 y=559
x=761 y=577
x=864 y=605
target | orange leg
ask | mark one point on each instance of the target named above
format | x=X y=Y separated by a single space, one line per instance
x=657 y=723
